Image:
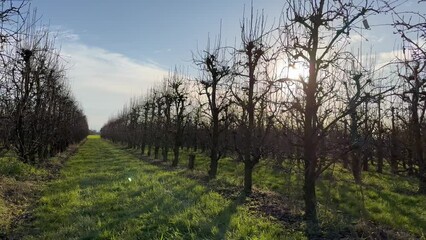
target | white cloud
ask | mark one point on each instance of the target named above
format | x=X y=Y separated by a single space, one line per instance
x=163 y=50
x=68 y=35
x=60 y=33
x=103 y=81
x=367 y=37
x=386 y=57
x=355 y=38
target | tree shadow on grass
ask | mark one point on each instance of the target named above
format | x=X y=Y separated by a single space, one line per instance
x=147 y=214
x=104 y=205
x=354 y=211
x=223 y=219
x=127 y=213
x=413 y=217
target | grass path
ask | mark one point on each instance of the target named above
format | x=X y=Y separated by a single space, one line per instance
x=106 y=193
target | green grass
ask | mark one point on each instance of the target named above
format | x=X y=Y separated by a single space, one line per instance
x=4 y=213
x=384 y=198
x=18 y=182
x=11 y=167
x=107 y=193
x=93 y=137
x=388 y=199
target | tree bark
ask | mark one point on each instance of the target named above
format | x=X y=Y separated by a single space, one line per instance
x=248 y=177
x=310 y=139
x=379 y=140
x=191 y=161
x=394 y=145
x=214 y=156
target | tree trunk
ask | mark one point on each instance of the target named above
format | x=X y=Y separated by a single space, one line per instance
x=394 y=146
x=156 y=132
x=176 y=156
x=355 y=147
x=165 y=152
x=149 y=150
x=152 y=131
x=418 y=153
x=345 y=156
x=143 y=147
x=310 y=160
x=410 y=167
x=380 y=159
x=356 y=167
x=213 y=164
x=214 y=157
x=165 y=140
x=417 y=135
x=250 y=127
x=144 y=130
x=367 y=148
x=156 y=150
x=248 y=177
x=422 y=180
x=191 y=161
x=309 y=189
x=379 y=141
x=310 y=146
x=365 y=160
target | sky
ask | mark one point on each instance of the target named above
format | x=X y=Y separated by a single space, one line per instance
x=118 y=49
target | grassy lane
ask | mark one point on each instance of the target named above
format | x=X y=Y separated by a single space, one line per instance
x=106 y=193
x=20 y=187
x=386 y=199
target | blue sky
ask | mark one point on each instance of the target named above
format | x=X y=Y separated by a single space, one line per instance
x=118 y=49
x=160 y=31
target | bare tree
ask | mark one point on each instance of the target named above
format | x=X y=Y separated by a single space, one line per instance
x=12 y=19
x=214 y=67
x=250 y=88
x=144 y=125
x=167 y=125
x=412 y=29
x=37 y=107
x=179 y=95
x=316 y=33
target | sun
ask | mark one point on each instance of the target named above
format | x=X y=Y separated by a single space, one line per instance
x=297 y=71
x=294 y=71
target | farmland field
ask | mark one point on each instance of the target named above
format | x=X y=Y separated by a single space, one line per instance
x=106 y=193
x=243 y=119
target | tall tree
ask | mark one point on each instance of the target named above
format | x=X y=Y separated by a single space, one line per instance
x=179 y=95
x=412 y=29
x=250 y=88
x=214 y=67
x=316 y=33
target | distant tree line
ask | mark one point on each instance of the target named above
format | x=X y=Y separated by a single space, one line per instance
x=343 y=109
x=39 y=116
